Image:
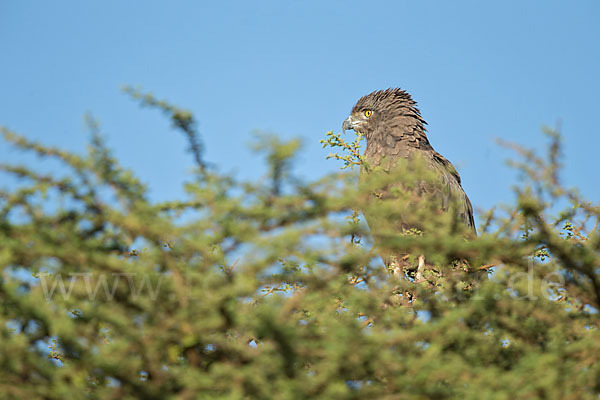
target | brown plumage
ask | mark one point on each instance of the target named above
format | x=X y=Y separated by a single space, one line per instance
x=394 y=130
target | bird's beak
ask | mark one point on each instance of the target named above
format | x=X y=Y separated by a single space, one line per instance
x=348 y=124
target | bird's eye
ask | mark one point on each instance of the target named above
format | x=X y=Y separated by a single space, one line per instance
x=368 y=113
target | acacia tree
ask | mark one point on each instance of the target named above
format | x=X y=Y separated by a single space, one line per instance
x=271 y=289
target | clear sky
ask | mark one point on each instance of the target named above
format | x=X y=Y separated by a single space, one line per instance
x=478 y=69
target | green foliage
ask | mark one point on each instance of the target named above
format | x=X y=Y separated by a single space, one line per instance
x=244 y=290
x=180 y=118
x=350 y=151
x=279 y=157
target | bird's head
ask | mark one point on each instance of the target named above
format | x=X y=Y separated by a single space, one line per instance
x=382 y=111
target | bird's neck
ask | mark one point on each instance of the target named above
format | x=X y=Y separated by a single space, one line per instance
x=394 y=142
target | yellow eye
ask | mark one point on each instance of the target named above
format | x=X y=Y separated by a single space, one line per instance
x=368 y=113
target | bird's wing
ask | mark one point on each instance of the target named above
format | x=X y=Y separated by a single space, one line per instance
x=455 y=192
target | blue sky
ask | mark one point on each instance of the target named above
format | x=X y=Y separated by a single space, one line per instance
x=478 y=70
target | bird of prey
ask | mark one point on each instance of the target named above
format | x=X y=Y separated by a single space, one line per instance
x=394 y=130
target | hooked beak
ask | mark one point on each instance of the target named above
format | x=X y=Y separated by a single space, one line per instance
x=348 y=124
